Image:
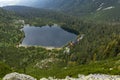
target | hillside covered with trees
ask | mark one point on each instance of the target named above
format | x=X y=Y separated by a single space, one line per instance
x=101 y=10
x=97 y=52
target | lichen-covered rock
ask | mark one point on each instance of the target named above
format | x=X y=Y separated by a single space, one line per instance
x=89 y=77
x=17 y=76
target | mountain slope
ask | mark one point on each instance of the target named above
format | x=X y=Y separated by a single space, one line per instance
x=41 y=16
x=35 y=12
x=97 y=10
x=4 y=69
x=4 y=14
x=106 y=15
x=101 y=42
x=77 y=7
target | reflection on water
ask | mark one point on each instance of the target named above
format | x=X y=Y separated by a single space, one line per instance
x=46 y=36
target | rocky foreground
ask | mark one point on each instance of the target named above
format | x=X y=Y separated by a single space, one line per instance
x=17 y=76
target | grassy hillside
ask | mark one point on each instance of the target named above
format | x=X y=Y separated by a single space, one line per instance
x=87 y=8
x=41 y=16
x=95 y=53
x=4 y=69
x=110 y=15
x=78 y=7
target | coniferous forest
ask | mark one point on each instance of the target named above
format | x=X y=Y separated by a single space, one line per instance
x=97 y=52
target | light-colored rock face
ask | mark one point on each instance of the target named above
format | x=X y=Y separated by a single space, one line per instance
x=17 y=76
x=89 y=77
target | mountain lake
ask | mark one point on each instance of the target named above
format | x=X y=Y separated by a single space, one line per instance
x=46 y=36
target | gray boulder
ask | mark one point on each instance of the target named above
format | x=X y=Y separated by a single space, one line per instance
x=17 y=76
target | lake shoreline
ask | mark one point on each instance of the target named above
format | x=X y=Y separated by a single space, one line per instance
x=45 y=47
x=55 y=37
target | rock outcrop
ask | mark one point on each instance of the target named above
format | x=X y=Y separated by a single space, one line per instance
x=89 y=77
x=17 y=76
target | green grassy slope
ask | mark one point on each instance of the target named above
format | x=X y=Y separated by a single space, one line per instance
x=88 y=8
x=4 y=69
x=95 y=53
x=110 y=15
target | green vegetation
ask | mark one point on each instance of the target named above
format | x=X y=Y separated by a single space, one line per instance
x=110 y=66
x=108 y=16
x=4 y=69
x=97 y=52
x=82 y=8
x=104 y=67
x=85 y=9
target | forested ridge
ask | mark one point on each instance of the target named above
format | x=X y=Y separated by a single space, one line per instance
x=96 y=10
x=97 y=52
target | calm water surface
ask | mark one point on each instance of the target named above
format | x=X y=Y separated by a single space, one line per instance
x=46 y=36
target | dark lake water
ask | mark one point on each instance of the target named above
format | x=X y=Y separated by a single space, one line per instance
x=46 y=36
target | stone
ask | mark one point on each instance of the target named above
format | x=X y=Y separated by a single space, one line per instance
x=17 y=76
